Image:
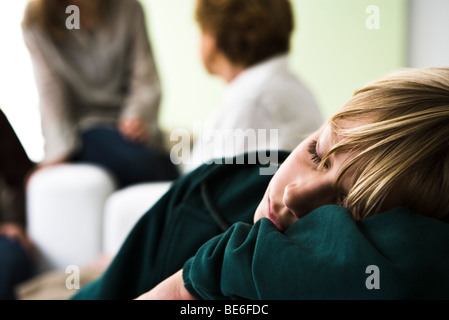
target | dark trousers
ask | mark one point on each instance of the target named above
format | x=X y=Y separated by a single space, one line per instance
x=16 y=266
x=129 y=162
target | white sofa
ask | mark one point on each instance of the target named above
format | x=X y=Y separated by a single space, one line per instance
x=124 y=208
x=76 y=214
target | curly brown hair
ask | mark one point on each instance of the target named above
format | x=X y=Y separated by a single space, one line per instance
x=247 y=31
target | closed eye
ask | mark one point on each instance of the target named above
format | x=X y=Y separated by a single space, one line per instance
x=315 y=157
x=313 y=152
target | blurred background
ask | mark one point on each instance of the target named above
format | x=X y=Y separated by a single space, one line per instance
x=338 y=46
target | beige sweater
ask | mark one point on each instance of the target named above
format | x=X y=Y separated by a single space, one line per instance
x=95 y=78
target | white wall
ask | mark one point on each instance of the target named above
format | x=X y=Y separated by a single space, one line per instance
x=428 y=42
x=18 y=94
x=428 y=45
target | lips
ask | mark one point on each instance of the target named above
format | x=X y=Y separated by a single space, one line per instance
x=272 y=216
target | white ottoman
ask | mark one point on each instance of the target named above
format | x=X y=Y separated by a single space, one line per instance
x=124 y=208
x=65 y=213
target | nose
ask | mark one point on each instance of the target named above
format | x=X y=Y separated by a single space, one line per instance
x=303 y=197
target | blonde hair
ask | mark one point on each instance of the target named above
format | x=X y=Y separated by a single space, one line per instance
x=401 y=145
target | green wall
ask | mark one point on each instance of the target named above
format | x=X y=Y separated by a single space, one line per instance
x=332 y=51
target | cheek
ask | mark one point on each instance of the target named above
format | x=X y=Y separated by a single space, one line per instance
x=301 y=187
x=299 y=198
x=309 y=194
x=296 y=168
x=292 y=172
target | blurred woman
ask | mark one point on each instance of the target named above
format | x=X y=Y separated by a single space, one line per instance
x=246 y=43
x=98 y=86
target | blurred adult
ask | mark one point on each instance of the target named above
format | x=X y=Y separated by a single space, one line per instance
x=98 y=86
x=246 y=43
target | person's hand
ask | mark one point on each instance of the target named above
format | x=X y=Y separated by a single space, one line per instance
x=15 y=232
x=170 y=289
x=134 y=129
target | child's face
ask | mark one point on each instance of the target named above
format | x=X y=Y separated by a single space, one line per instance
x=299 y=187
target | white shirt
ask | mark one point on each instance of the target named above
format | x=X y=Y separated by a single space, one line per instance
x=265 y=96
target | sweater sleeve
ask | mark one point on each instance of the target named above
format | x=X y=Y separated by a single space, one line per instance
x=222 y=268
x=58 y=128
x=322 y=256
x=144 y=96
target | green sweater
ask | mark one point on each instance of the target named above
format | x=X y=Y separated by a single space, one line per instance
x=326 y=255
x=204 y=225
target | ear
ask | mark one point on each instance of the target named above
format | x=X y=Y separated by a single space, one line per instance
x=208 y=42
x=209 y=51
